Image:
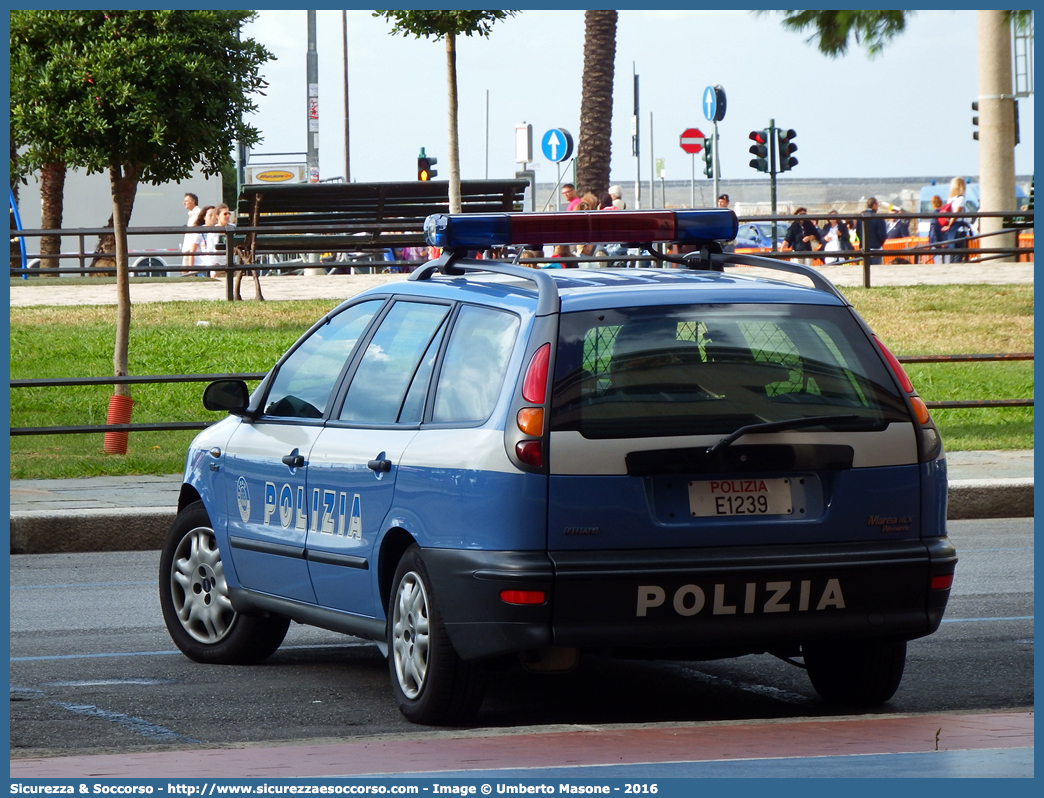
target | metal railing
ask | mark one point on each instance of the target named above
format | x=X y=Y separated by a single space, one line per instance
x=379 y=236
x=199 y=425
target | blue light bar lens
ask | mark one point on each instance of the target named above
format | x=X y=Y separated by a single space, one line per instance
x=468 y=231
x=705 y=224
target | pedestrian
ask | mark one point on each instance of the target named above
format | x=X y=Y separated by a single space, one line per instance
x=570 y=196
x=191 y=203
x=956 y=228
x=195 y=245
x=897 y=227
x=616 y=193
x=936 y=234
x=605 y=202
x=835 y=236
x=723 y=201
x=803 y=235
x=871 y=230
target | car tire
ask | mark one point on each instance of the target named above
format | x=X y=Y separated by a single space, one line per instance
x=195 y=603
x=856 y=673
x=431 y=684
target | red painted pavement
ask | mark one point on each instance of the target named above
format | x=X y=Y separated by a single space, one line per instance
x=486 y=749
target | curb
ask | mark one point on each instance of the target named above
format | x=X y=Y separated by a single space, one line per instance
x=989 y=498
x=79 y=531
x=143 y=529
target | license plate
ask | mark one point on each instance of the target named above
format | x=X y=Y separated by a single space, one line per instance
x=714 y=497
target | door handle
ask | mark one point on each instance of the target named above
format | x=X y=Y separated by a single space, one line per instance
x=293 y=460
x=379 y=465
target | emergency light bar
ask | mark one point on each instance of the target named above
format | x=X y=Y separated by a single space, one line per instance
x=483 y=230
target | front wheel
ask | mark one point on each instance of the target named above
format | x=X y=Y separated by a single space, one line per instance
x=432 y=685
x=855 y=672
x=194 y=599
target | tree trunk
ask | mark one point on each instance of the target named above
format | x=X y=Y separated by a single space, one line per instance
x=996 y=123
x=594 y=149
x=52 y=198
x=107 y=243
x=454 y=149
x=117 y=183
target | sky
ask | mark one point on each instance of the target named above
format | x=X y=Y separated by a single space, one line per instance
x=906 y=112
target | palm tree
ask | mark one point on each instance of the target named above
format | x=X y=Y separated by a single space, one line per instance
x=594 y=149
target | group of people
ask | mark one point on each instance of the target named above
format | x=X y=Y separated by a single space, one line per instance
x=200 y=246
x=609 y=201
x=872 y=229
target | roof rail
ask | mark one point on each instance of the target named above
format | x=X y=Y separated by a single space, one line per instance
x=452 y=265
x=818 y=280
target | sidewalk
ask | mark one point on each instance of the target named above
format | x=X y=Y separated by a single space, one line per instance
x=134 y=513
x=72 y=291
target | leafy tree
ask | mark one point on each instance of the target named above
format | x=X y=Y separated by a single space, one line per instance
x=832 y=29
x=594 y=148
x=447 y=25
x=143 y=95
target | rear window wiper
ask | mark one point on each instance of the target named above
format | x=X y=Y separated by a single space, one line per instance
x=775 y=426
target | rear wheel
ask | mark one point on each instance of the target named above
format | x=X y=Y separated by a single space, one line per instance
x=856 y=672
x=432 y=685
x=195 y=603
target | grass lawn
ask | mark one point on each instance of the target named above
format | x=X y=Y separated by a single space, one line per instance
x=167 y=338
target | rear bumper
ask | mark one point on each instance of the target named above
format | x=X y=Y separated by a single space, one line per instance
x=715 y=599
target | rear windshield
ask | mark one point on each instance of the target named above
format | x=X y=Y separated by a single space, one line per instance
x=710 y=369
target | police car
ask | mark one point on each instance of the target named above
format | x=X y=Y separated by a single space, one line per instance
x=491 y=460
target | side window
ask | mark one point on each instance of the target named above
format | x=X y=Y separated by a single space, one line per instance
x=391 y=360
x=305 y=380
x=475 y=364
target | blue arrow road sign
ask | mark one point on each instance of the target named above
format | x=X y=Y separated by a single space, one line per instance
x=710 y=103
x=557 y=144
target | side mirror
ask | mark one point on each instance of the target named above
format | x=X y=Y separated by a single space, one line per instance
x=230 y=396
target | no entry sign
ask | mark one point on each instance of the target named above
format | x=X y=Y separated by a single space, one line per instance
x=692 y=140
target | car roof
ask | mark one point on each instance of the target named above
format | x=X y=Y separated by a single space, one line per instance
x=587 y=289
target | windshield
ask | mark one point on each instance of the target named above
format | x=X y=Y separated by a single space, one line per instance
x=710 y=369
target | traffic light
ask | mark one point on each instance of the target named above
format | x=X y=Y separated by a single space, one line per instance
x=759 y=149
x=975 y=121
x=786 y=147
x=424 y=166
x=708 y=157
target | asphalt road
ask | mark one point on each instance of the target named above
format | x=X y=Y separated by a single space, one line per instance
x=93 y=670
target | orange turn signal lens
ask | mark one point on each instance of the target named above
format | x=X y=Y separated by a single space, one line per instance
x=531 y=421
x=920 y=409
x=523 y=596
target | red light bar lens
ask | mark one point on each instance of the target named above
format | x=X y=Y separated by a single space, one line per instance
x=942 y=582
x=523 y=596
x=579 y=227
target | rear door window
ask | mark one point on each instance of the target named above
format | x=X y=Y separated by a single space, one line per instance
x=700 y=369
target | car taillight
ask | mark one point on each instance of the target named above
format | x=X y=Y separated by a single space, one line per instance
x=534 y=386
x=896 y=366
x=930 y=445
x=942 y=582
x=529 y=452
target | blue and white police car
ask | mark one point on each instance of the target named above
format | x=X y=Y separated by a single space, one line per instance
x=491 y=460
